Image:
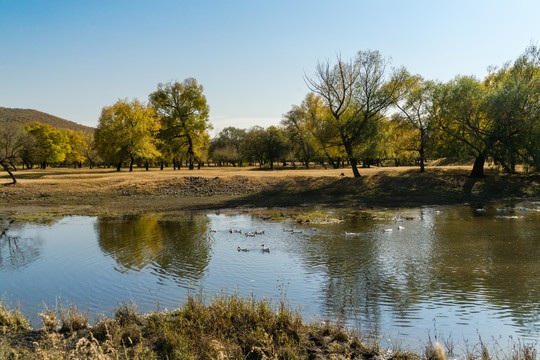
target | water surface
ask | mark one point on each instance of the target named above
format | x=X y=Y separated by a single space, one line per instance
x=456 y=270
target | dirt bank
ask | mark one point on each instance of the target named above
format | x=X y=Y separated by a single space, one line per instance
x=101 y=191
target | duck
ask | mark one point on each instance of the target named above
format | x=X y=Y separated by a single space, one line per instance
x=265 y=249
x=401 y=227
x=249 y=233
x=242 y=249
x=259 y=232
x=388 y=230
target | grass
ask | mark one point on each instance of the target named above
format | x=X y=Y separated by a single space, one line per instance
x=225 y=327
x=41 y=194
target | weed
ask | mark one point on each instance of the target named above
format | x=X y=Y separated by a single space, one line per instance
x=12 y=319
x=126 y=314
x=72 y=319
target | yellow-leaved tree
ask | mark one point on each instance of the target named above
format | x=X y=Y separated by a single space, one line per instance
x=127 y=131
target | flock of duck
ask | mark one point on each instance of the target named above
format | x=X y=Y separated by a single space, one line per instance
x=264 y=249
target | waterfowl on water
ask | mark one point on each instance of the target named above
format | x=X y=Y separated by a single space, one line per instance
x=401 y=227
x=388 y=230
x=242 y=249
x=265 y=249
x=350 y=234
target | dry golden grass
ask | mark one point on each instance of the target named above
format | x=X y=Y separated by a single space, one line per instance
x=106 y=191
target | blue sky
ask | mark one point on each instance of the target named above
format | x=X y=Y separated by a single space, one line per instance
x=71 y=58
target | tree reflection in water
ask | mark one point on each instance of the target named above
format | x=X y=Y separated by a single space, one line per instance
x=17 y=252
x=175 y=248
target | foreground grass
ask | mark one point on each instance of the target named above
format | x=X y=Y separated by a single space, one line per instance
x=228 y=327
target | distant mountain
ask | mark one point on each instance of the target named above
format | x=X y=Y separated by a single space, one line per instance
x=27 y=116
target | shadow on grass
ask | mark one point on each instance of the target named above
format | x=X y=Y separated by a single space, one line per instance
x=408 y=189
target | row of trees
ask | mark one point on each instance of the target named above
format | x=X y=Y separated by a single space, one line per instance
x=172 y=126
x=364 y=111
x=42 y=144
x=359 y=111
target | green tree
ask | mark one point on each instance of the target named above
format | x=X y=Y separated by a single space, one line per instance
x=127 y=131
x=274 y=145
x=52 y=144
x=513 y=104
x=296 y=123
x=184 y=115
x=462 y=115
x=227 y=146
x=417 y=110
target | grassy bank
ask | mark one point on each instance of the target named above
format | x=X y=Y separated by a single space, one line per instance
x=227 y=327
x=104 y=191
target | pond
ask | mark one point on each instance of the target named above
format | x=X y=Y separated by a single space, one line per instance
x=460 y=271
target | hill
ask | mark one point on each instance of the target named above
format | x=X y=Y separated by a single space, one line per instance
x=27 y=116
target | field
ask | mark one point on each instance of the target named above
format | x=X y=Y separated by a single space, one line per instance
x=106 y=191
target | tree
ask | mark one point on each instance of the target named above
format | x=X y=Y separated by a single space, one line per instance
x=274 y=145
x=13 y=139
x=52 y=144
x=357 y=94
x=76 y=147
x=127 y=130
x=417 y=110
x=184 y=115
x=513 y=104
x=227 y=146
x=462 y=115
x=299 y=128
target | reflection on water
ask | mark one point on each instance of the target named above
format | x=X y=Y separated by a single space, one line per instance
x=462 y=270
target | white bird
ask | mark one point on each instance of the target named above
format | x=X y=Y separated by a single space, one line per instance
x=349 y=234
x=242 y=249
x=388 y=230
x=401 y=227
x=265 y=249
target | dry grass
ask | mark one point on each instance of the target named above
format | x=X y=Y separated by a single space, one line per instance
x=42 y=193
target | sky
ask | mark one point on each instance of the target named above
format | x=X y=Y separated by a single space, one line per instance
x=72 y=58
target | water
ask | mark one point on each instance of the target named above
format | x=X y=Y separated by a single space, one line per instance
x=459 y=271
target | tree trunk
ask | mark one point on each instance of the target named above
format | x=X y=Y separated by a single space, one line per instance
x=14 y=181
x=478 y=167
x=354 y=167
x=119 y=166
x=131 y=164
x=422 y=167
x=146 y=165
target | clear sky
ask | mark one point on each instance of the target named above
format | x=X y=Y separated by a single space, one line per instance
x=71 y=58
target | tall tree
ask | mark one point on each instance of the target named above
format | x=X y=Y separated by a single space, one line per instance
x=357 y=94
x=513 y=104
x=184 y=115
x=462 y=115
x=417 y=110
x=127 y=131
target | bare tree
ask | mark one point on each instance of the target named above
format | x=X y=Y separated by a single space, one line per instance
x=12 y=141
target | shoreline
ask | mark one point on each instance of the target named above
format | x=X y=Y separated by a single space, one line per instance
x=106 y=192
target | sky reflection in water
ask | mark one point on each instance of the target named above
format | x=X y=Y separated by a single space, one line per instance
x=456 y=270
